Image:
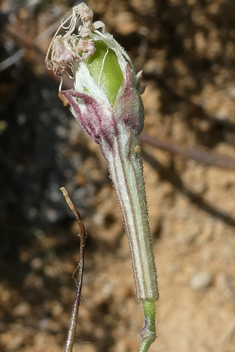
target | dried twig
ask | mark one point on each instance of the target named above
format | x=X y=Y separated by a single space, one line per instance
x=74 y=315
x=11 y=60
x=203 y=156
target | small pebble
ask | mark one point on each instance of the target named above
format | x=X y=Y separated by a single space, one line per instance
x=36 y=263
x=22 y=309
x=201 y=280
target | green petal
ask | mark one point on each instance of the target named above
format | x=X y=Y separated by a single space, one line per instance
x=105 y=69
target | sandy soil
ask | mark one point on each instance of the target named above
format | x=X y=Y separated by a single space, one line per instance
x=186 y=50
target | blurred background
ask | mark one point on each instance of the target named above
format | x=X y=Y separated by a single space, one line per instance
x=187 y=53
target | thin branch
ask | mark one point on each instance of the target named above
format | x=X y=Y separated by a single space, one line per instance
x=202 y=156
x=74 y=316
x=36 y=54
x=38 y=40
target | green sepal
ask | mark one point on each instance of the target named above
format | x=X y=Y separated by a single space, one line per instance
x=105 y=69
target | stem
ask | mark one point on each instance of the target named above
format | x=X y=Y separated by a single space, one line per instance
x=126 y=171
x=148 y=332
x=74 y=316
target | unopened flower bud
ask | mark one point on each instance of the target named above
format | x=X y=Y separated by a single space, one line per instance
x=103 y=75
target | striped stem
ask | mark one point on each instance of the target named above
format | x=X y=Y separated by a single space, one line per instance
x=126 y=171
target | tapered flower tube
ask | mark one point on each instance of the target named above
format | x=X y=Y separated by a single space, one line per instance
x=106 y=101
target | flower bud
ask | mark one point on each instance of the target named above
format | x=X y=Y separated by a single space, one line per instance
x=106 y=89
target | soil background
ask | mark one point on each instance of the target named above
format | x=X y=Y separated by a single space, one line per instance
x=187 y=53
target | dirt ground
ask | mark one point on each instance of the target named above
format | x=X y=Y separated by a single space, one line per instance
x=187 y=53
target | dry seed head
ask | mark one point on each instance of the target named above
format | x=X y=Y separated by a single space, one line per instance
x=65 y=49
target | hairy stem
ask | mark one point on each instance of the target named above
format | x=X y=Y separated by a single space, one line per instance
x=126 y=171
